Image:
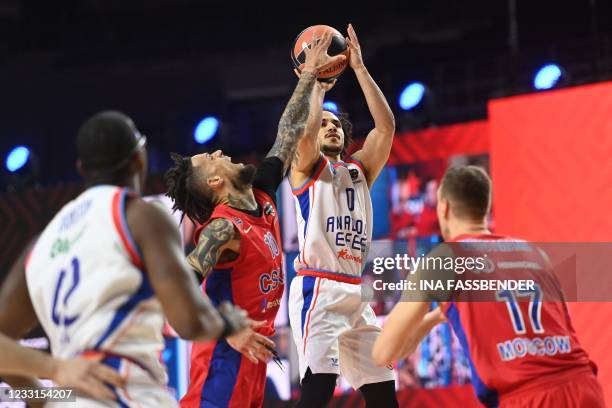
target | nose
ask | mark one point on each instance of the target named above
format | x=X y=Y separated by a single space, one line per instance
x=217 y=154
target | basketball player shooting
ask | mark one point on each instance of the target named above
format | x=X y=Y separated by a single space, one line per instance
x=108 y=269
x=549 y=368
x=333 y=329
x=238 y=252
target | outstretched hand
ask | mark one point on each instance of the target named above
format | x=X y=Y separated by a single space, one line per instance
x=355 y=60
x=316 y=54
x=251 y=344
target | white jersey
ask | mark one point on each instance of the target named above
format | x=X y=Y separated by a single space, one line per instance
x=88 y=287
x=334 y=215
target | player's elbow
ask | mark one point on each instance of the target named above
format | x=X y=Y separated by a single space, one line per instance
x=387 y=128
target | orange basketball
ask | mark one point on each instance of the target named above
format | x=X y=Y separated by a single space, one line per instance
x=338 y=46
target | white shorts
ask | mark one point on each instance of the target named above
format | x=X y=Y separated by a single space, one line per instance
x=334 y=331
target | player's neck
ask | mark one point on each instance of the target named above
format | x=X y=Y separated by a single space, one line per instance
x=243 y=200
x=461 y=227
x=332 y=158
x=131 y=182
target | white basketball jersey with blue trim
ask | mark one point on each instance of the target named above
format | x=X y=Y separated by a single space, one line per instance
x=334 y=216
x=87 y=285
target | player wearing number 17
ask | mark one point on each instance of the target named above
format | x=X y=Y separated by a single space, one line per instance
x=333 y=329
x=523 y=352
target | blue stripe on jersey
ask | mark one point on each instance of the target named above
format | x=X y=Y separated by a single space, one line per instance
x=304 y=202
x=219 y=286
x=308 y=283
x=124 y=223
x=114 y=362
x=143 y=293
x=486 y=395
x=223 y=369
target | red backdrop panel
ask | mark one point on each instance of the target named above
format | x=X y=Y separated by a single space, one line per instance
x=551 y=163
x=468 y=138
x=551 y=159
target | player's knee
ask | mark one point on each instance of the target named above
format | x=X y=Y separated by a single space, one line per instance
x=379 y=395
x=317 y=389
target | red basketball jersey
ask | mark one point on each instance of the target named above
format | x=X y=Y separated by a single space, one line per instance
x=254 y=281
x=219 y=375
x=518 y=343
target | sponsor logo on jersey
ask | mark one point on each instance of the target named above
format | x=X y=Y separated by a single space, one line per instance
x=345 y=254
x=334 y=362
x=266 y=305
x=63 y=245
x=270 y=281
x=269 y=209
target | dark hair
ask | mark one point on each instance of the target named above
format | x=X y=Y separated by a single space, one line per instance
x=105 y=144
x=190 y=195
x=468 y=188
x=347 y=129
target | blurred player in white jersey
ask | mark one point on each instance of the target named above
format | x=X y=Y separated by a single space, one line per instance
x=333 y=329
x=85 y=375
x=108 y=269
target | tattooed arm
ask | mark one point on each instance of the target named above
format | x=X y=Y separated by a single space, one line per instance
x=218 y=242
x=294 y=119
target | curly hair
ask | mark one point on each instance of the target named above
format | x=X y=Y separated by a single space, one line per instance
x=347 y=129
x=188 y=194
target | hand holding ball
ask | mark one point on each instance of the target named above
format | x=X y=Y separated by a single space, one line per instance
x=323 y=49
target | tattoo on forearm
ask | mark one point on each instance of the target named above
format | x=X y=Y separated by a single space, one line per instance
x=216 y=234
x=293 y=121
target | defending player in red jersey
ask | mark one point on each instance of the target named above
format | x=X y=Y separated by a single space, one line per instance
x=522 y=353
x=238 y=249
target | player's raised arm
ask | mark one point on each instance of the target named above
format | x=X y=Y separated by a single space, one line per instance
x=293 y=122
x=189 y=313
x=377 y=146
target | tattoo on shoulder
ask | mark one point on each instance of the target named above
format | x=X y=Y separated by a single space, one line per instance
x=219 y=232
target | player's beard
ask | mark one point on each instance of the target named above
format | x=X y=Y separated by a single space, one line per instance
x=244 y=178
x=333 y=150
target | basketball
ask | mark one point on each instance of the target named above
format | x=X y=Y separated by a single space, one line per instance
x=338 y=46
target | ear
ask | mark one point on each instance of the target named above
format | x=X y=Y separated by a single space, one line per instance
x=140 y=161
x=445 y=207
x=79 y=166
x=214 y=182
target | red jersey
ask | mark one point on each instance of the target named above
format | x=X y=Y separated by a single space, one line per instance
x=219 y=375
x=518 y=343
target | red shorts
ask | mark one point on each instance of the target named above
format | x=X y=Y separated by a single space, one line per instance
x=581 y=392
x=221 y=377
